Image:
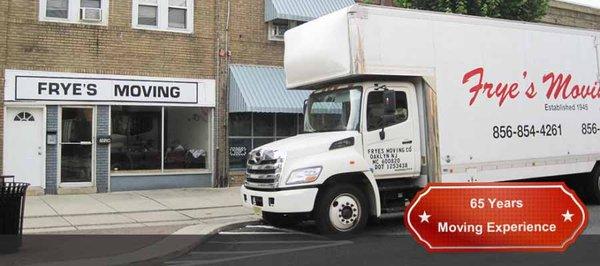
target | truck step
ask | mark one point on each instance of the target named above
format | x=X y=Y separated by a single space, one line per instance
x=405 y=184
x=393 y=210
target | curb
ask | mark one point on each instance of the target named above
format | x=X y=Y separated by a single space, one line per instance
x=174 y=245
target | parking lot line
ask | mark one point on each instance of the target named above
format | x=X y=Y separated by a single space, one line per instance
x=257 y=233
x=258 y=254
x=280 y=242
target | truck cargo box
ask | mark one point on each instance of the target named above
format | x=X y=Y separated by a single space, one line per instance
x=509 y=95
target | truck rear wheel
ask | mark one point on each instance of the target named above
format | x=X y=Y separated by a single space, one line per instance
x=341 y=209
x=593 y=185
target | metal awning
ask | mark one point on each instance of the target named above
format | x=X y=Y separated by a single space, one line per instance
x=261 y=89
x=302 y=10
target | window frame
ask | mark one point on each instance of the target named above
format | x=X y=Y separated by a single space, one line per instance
x=162 y=16
x=73 y=13
x=271 y=28
x=162 y=170
x=390 y=125
x=252 y=137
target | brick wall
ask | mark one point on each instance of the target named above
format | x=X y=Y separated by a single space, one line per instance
x=566 y=14
x=115 y=49
x=248 y=35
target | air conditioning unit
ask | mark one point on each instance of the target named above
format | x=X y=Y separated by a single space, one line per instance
x=277 y=30
x=91 y=14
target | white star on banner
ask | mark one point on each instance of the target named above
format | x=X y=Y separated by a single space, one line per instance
x=424 y=217
x=568 y=216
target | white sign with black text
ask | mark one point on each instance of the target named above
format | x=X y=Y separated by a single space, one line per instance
x=38 y=86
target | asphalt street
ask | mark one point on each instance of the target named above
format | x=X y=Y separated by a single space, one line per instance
x=385 y=242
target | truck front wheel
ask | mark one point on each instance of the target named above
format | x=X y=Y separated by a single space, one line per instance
x=341 y=209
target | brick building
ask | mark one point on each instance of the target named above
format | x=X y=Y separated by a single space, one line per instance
x=102 y=95
x=107 y=95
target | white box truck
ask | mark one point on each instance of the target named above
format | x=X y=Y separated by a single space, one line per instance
x=403 y=97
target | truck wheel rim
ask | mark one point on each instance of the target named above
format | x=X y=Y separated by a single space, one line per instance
x=344 y=212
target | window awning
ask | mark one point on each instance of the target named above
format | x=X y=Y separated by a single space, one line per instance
x=261 y=89
x=302 y=10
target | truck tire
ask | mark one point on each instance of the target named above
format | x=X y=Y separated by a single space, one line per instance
x=593 y=185
x=341 y=209
x=279 y=219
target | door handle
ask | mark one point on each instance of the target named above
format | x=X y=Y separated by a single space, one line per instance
x=404 y=142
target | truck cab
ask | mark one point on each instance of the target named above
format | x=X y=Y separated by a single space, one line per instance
x=361 y=145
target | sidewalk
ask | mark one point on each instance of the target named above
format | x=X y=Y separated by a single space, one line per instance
x=151 y=208
x=144 y=227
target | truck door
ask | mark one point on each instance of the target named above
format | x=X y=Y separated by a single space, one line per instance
x=398 y=153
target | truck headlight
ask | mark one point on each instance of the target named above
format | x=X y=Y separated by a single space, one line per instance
x=304 y=175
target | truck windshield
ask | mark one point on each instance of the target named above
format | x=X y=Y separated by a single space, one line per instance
x=333 y=110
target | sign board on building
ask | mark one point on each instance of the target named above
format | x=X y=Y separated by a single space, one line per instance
x=104 y=139
x=56 y=87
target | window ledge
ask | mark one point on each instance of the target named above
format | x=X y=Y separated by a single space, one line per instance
x=185 y=31
x=78 y=22
x=158 y=172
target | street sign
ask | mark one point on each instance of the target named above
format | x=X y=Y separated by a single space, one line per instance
x=496 y=217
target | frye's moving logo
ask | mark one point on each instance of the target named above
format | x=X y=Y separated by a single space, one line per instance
x=78 y=89
x=558 y=86
x=66 y=88
x=105 y=90
x=147 y=91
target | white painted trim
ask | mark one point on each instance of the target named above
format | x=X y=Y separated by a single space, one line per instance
x=73 y=13
x=162 y=19
x=44 y=144
x=108 y=189
x=204 y=89
x=213 y=149
x=162 y=170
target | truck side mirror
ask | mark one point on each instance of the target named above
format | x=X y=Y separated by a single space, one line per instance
x=389 y=110
x=305 y=106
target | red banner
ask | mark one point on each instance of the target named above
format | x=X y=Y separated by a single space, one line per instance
x=496 y=217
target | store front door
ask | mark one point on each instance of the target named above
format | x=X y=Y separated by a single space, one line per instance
x=76 y=146
x=24 y=145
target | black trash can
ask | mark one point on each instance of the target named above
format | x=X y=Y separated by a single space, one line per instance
x=12 y=208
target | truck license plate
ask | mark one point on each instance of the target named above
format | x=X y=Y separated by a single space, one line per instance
x=257 y=210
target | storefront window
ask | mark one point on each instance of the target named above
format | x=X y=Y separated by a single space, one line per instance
x=136 y=138
x=251 y=130
x=287 y=124
x=238 y=152
x=263 y=124
x=186 y=138
x=240 y=124
x=300 y=123
x=159 y=138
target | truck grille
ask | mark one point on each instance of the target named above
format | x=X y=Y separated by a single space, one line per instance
x=262 y=172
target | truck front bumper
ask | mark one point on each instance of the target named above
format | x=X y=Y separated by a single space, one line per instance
x=281 y=201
